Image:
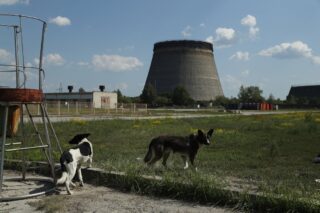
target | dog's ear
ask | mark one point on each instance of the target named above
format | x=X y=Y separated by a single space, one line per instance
x=210 y=132
x=200 y=132
x=78 y=138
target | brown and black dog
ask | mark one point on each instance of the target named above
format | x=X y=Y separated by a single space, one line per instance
x=187 y=147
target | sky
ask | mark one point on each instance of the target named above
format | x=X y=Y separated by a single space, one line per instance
x=270 y=44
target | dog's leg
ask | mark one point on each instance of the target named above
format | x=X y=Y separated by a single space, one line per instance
x=90 y=161
x=157 y=155
x=155 y=159
x=71 y=173
x=184 y=158
x=192 y=157
x=80 y=176
x=91 y=157
x=68 y=187
x=69 y=182
x=166 y=154
x=72 y=184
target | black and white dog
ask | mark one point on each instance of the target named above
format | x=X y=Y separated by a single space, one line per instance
x=72 y=159
x=187 y=147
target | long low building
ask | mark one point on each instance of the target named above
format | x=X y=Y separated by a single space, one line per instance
x=97 y=98
x=305 y=91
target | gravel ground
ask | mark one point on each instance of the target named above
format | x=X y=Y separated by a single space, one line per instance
x=102 y=199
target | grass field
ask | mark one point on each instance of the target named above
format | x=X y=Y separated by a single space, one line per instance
x=262 y=154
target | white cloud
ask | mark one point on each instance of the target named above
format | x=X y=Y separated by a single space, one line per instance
x=253 y=32
x=54 y=59
x=225 y=34
x=202 y=25
x=12 y=2
x=60 y=21
x=225 y=37
x=115 y=63
x=210 y=39
x=240 y=56
x=296 y=49
x=251 y=22
x=287 y=50
x=187 y=31
x=5 y=56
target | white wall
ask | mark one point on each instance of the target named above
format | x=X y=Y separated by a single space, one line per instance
x=109 y=100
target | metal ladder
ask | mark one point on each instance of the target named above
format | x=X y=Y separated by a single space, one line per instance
x=44 y=143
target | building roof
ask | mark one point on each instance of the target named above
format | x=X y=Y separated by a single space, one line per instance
x=183 y=44
x=306 y=91
x=74 y=95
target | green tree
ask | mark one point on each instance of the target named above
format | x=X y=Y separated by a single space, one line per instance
x=221 y=101
x=163 y=101
x=181 y=97
x=81 y=90
x=251 y=94
x=271 y=99
x=149 y=94
x=122 y=98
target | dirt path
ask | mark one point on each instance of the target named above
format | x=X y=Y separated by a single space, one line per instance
x=103 y=199
x=88 y=199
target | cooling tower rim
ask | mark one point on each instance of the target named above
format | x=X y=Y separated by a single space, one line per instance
x=183 y=44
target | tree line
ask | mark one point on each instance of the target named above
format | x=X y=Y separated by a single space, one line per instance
x=180 y=97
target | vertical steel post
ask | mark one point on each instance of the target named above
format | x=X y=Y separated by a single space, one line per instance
x=16 y=51
x=51 y=162
x=4 y=120
x=24 y=163
x=41 y=55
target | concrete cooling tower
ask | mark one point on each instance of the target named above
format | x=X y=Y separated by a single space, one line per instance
x=185 y=63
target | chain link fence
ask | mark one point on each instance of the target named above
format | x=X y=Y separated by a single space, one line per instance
x=70 y=108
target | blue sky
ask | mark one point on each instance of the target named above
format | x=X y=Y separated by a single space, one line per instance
x=271 y=44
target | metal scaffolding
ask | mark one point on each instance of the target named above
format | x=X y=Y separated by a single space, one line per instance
x=18 y=100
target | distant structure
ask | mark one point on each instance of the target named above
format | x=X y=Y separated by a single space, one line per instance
x=305 y=91
x=185 y=63
x=99 y=99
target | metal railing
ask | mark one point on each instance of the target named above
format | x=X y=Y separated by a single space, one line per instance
x=19 y=66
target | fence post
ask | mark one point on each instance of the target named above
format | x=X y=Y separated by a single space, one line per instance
x=38 y=109
x=77 y=107
x=59 y=105
x=93 y=108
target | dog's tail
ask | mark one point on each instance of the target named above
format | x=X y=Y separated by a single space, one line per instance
x=63 y=178
x=148 y=156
